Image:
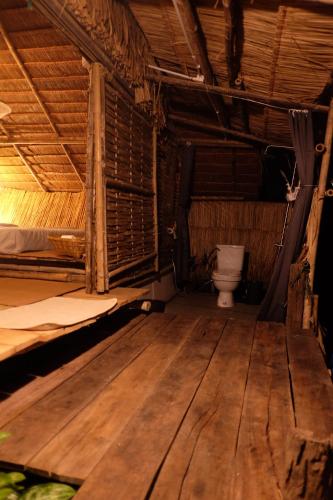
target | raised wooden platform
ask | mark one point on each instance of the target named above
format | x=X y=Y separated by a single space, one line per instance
x=17 y=292
x=181 y=407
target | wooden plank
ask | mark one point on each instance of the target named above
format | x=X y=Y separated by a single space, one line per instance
x=311 y=385
x=6 y=351
x=18 y=339
x=39 y=387
x=17 y=292
x=76 y=450
x=143 y=444
x=309 y=460
x=50 y=414
x=257 y=467
x=124 y=295
x=200 y=460
x=296 y=290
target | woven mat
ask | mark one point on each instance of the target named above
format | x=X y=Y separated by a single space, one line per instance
x=53 y=313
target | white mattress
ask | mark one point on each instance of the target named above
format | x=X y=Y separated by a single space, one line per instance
x=18 y=239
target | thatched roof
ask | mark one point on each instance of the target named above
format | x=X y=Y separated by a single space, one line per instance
x=275 y=48
x=43 y=81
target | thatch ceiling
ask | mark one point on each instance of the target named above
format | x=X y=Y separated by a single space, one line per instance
x=278 y=49
x=44 y=83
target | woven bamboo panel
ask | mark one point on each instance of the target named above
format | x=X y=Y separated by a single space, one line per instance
x=129 y=204
x=39 y=209
x=226 y=171
x=256 y=225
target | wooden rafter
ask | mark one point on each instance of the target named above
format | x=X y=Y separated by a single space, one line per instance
x=260 y=98
x=34 y=90
x=29 y=166
x=169 y=26
x=210 y=127
x=234 y=39
x=9 y=140
x=193 y=34
x=24 y=160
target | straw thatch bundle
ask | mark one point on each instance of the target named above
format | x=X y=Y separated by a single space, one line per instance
x=256 y=225
x=39 y=209
x=112 y=23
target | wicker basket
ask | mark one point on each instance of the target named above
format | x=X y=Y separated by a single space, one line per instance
x=73 y=247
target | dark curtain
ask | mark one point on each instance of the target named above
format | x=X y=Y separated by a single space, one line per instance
x=274 y=304
x=183 y=238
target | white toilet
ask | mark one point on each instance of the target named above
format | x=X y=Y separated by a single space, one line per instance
x=228 y=272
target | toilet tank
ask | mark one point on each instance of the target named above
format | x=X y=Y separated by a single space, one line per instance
x=230 y=257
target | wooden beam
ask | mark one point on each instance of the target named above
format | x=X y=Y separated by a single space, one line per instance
x=216 y=128
x=259 y=98
x=169 y=26
x=30 y=168
x=98 y=84
x=224 y=143
x=190 y=25
x=89 y=198
x=35 y=92
x=55 y=11
x=313 y=226
x=155 y=187
x=24 y=160
x=21 y=141
x=234 y=40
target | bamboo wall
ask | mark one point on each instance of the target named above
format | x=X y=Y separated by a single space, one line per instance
x=226 y=171
x=41 y=209
x=129 y=193
x=257 y=225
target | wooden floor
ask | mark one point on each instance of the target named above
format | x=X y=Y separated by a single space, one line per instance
x=178 y=406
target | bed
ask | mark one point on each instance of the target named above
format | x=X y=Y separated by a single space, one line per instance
x=14 y=239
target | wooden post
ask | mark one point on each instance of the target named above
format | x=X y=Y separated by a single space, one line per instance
x=98 y=83
x=314 y=220
x=296 y=288
x=155 y=189
x=90 y=240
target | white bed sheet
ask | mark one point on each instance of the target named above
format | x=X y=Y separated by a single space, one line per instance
x=18 y=239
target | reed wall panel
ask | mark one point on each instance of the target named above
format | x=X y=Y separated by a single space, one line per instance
x=226 y=171
x=256 y=225
x=129 y=182
x=40 y=209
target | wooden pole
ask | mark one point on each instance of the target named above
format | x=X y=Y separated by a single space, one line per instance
x=216 y=128
x=190 y=25
x=21 y=141
x=155 y=189
x=232 y=92
x=98 y=83
x=314 y=220
x=90 y=240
